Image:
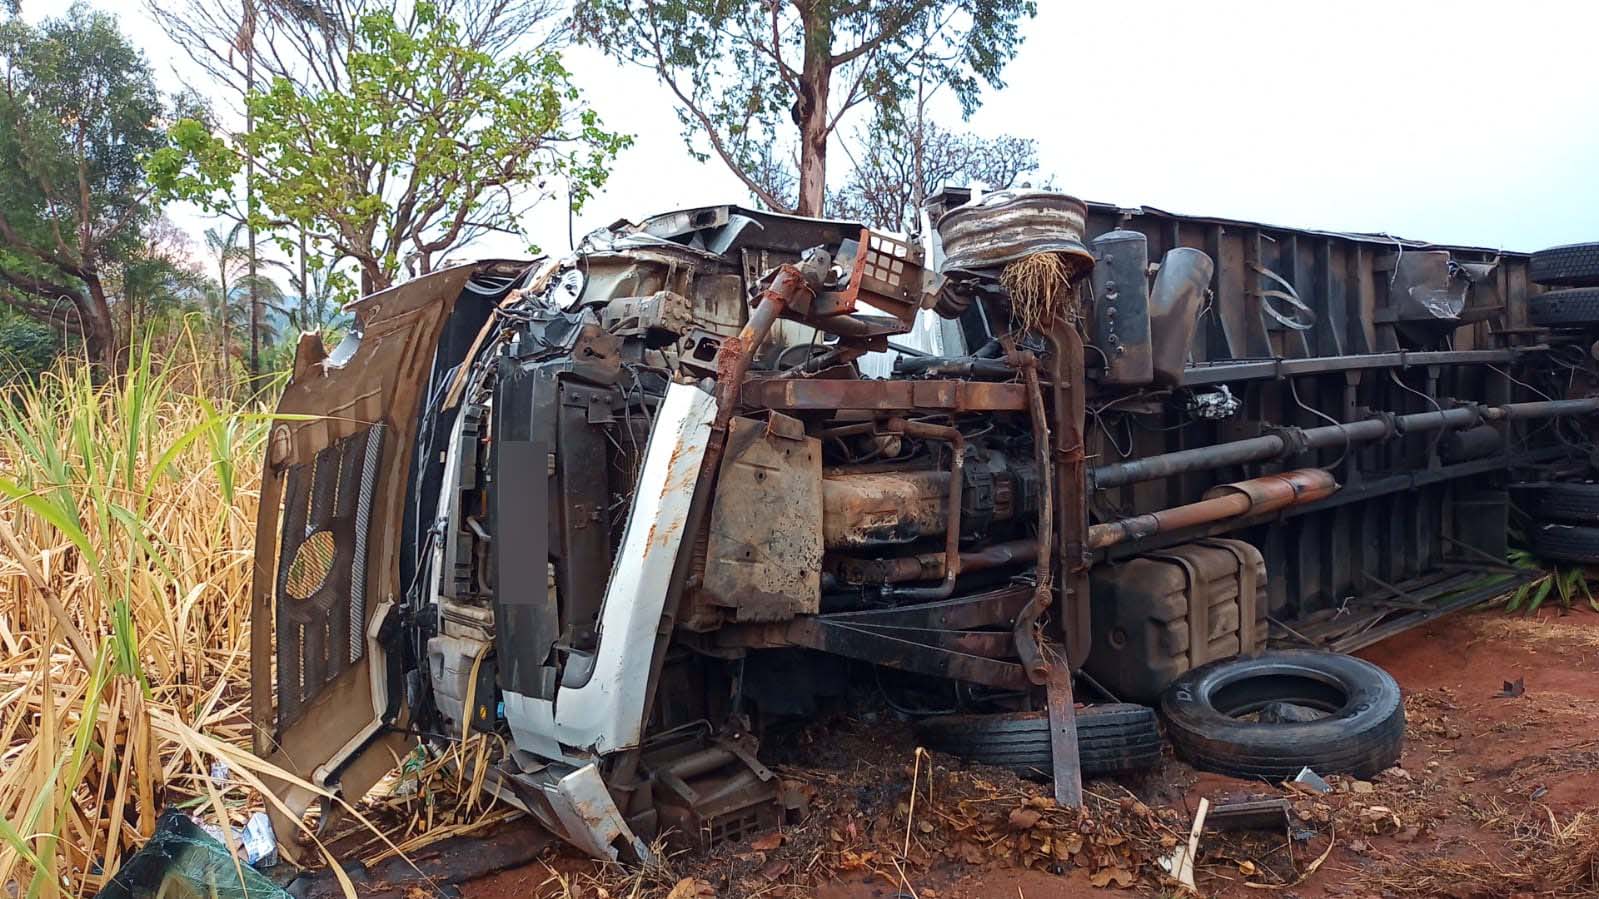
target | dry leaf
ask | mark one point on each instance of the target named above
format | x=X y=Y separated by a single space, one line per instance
x=1119 y=876
x=851 y=861
x=1024 y=818
x=766 y=842
x=691 y=888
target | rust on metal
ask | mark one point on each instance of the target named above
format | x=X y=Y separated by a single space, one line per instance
x=789 y=394
x=1007 y=225
x=764 y=556
x=1025 y=630
x=1064 y=758
x=952 y=527
x=928 y=566
x=1256 y=496
x=889 y=508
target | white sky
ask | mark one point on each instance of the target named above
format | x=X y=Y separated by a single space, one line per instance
x=1465 y=122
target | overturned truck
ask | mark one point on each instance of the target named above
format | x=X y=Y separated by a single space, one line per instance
x=631 y=510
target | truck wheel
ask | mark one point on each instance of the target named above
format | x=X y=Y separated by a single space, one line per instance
x=1572 y=265
x=1573 y=306
x=1566 y=542
x=1568 y=502
x=1114 y=738
x=1212 y=713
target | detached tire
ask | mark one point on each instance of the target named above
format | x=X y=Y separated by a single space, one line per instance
x=1566 y=542
x=1565 y=308
x=1115 y=738
x=1572 y=265
x=1362 y=733
x=1568 y=502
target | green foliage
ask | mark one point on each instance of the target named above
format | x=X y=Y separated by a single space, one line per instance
x=78 y=113
x=420 y=153
x=80 y=100
x=196 y=164
x=1567 y=583
x=28 y=347
x=747 y=72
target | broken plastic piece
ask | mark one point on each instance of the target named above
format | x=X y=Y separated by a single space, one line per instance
x=1252 y=814
x=1312 y=781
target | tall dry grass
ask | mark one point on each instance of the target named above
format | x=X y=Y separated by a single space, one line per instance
x=127 y=516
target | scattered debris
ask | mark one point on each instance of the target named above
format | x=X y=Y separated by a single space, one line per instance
x=1379 y=819
x=1288 y=713
x=1252 y=814
x=1308 y=781
x=182 y=859
x=1513 y=689
x=1180 y=864
x=258 y=845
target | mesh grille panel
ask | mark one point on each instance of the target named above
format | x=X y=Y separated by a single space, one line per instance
x=321 y=584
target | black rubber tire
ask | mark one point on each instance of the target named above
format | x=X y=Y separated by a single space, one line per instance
x=1566 y=542
x=1565 y=308
x=1568 y=502
x=1571 y=265
x=1115 y=738
x=1362 y=734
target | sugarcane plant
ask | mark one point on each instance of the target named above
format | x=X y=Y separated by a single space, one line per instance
x=1567 y=583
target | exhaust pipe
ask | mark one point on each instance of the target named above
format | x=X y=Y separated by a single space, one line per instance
x=1257 y=495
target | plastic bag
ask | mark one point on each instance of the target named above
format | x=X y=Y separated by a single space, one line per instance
x=182 y=861
x=256 y=840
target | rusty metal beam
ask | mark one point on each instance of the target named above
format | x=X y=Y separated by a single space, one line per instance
x=789 y=394
x=888 y=648
x=982 y=610
x=1257 y=495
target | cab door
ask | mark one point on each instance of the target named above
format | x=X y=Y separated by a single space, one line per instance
x=326 y=697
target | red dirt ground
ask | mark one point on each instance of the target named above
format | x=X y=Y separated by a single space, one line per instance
x=1476 y=769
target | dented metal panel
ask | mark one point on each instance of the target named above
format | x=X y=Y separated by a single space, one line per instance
x=764 y=557
x=327 y=726
x=606 y=713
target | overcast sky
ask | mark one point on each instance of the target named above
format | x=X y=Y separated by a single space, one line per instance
x=1466 y=122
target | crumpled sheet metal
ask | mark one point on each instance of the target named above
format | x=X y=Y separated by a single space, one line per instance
x=1002 y=227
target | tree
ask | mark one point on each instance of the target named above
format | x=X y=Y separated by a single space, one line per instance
x=244 y=44
x=430 y=143
x=78 y=111
x=756 y=78
x=231 y=260
x=157 y=279
x=313 y=303
x=898 y=168
x=309 y=42
x=28 y=346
